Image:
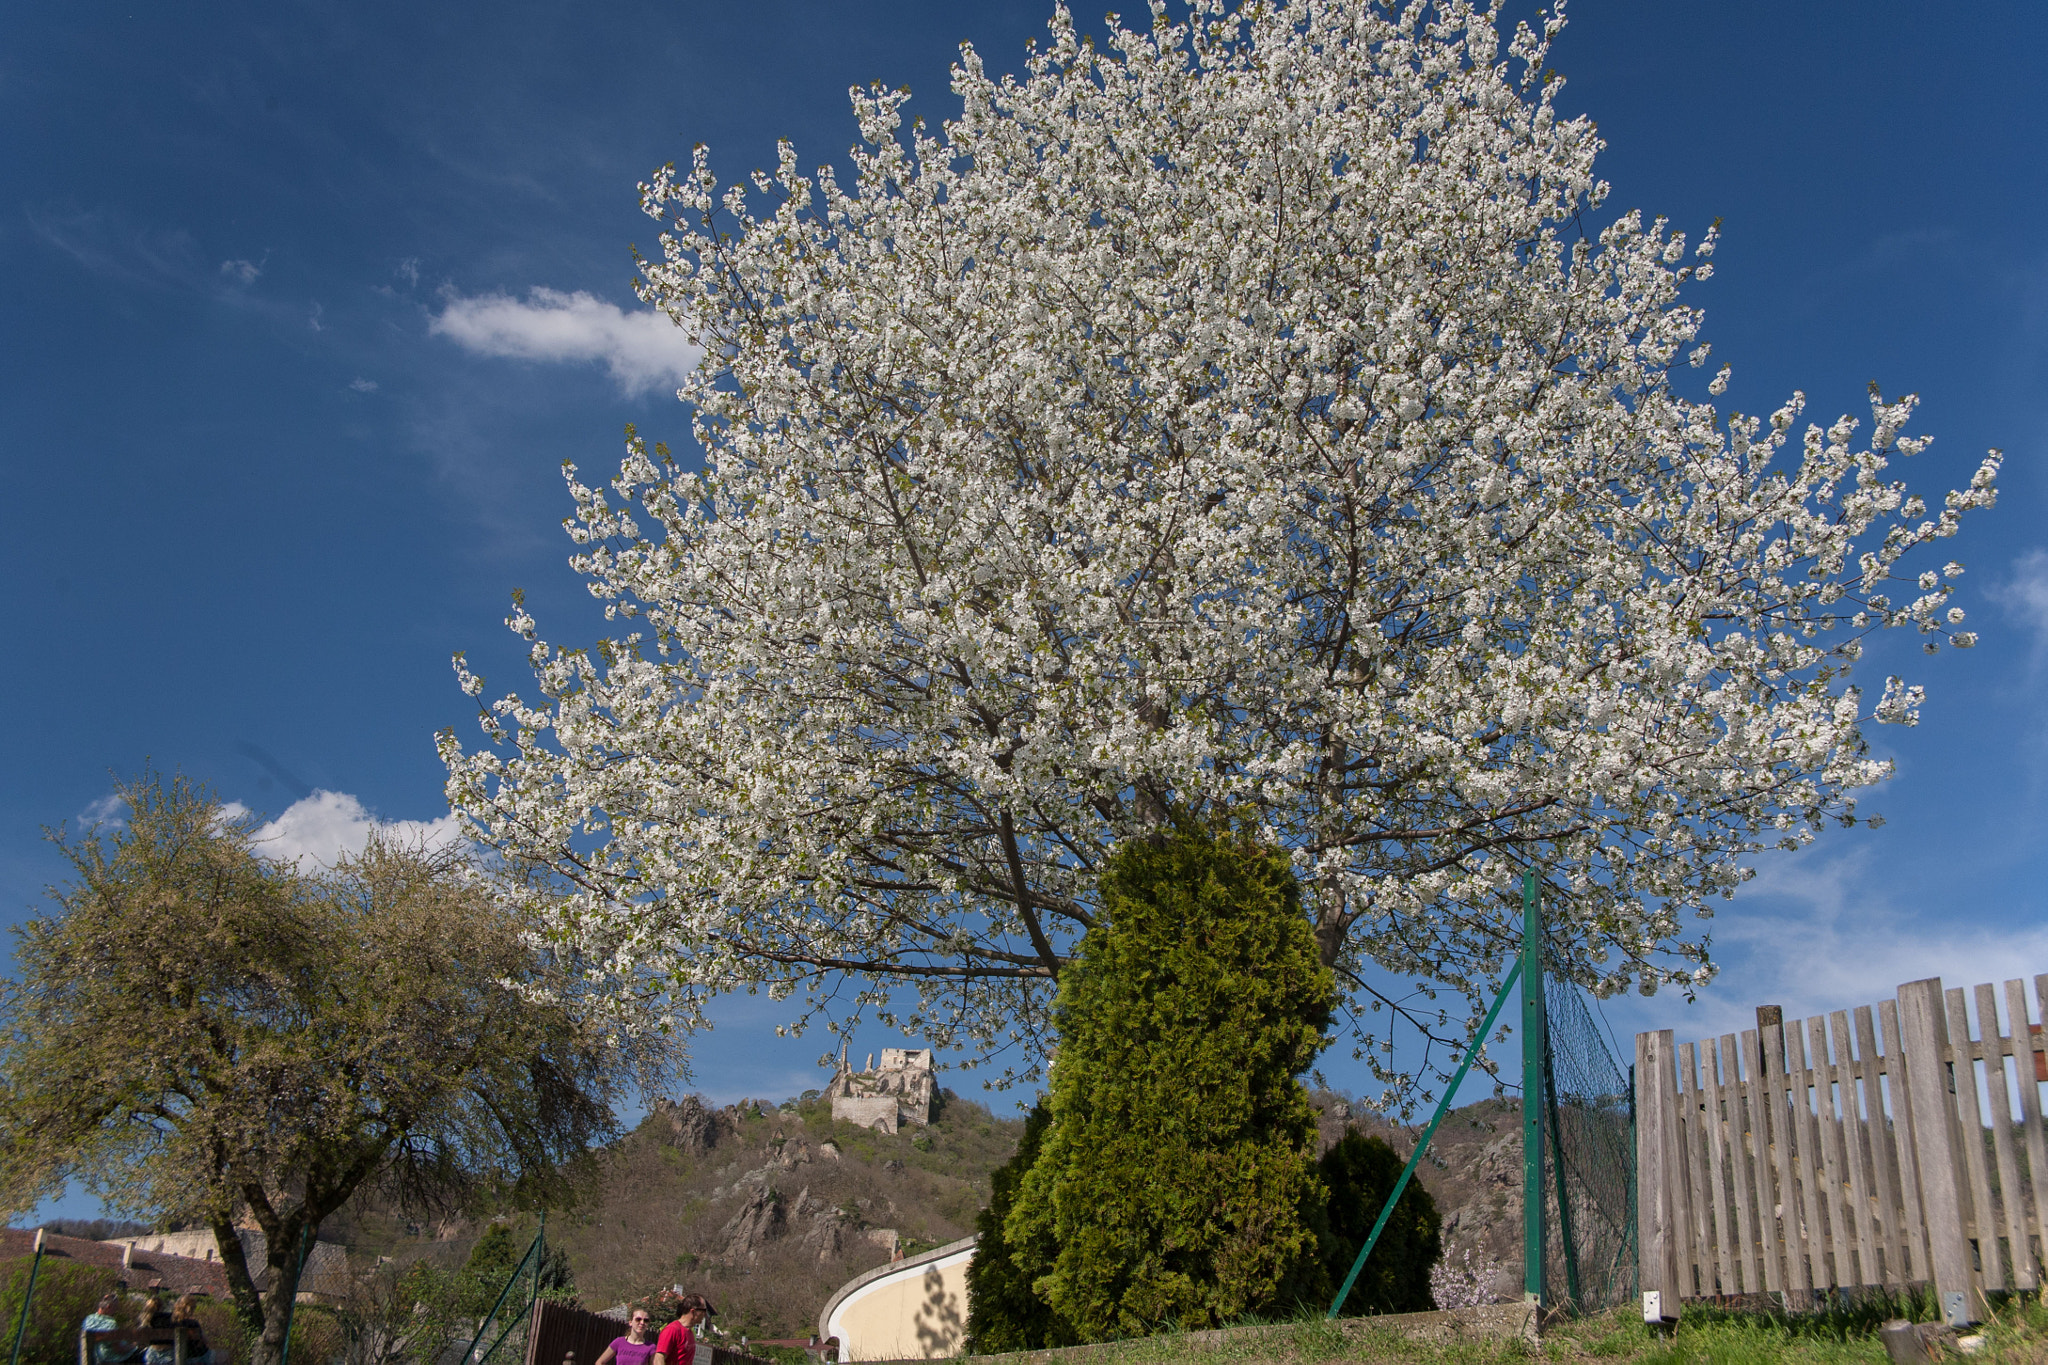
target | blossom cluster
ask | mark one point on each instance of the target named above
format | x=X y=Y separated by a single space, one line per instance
x=1234 y=417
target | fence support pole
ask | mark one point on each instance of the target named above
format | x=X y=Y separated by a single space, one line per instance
x=1532 y=1093
x=1443 y=1106
x=1924 y=1040
x=1657 y=1212
x=291 y=1305
x=21 y=1326
x=469 y=1354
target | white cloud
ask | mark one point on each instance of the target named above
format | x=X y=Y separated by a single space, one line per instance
x=409 y=270
x=2025 y=594
x=1815 y=934
x=323 y=826
x=243 y=272
x=643 y=350
x=363 y=385
x=109 y=810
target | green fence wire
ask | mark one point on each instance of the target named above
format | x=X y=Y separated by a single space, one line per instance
x=1578 y=1141
x=1589 y=1243
x=511 y=1316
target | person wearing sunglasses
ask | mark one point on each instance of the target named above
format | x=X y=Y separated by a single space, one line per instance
x=634 y=1348
x=678 y=1344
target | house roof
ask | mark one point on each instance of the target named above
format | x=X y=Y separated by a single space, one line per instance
x=145 y=1270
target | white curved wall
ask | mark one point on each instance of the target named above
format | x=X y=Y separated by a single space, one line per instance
x=914 y=1310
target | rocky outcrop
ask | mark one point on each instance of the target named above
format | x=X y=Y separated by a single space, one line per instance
x=692 y=1126
x=759 y=1221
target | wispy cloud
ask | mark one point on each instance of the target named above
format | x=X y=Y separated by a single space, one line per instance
x=643 y=350
x=241 y=272
x=2025 y=594
x=1816 y=933
x=110 y=811
x=322 y=827
x=363 y=385
x=113 y=248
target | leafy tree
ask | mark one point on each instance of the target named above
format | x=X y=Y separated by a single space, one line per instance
x=203 y=1035
x=1259 y=410
x=1180 y=1157
x=490 y=1264
x=1003 y=1314
x=1359 y=1172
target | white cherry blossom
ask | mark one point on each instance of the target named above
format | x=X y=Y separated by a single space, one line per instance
x=1238 y=418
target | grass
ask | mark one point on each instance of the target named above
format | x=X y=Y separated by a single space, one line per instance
x=2016 y=1335
x=2017 y=1332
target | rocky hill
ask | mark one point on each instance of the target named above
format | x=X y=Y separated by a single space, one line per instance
x=768 y=1208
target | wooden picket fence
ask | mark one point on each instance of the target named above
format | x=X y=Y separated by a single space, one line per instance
x=1848 y=1150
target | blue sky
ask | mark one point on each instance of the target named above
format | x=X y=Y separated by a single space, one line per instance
x=281 y=416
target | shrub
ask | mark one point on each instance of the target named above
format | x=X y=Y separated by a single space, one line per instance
x=65 y=1292
x=1174 y=1176
x=1002 y=1312
x=1360 y=1172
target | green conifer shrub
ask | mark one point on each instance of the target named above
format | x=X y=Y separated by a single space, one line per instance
x=1002 y=1312
x=1359 y=1173
x=1173 y=1180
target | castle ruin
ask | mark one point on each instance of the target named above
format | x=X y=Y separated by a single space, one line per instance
x=883 y=1097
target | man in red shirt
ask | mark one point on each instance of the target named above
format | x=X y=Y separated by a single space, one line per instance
x=678 y=1342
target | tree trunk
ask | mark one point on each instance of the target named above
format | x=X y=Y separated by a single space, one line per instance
x=266 y=1347
x=241 y=1284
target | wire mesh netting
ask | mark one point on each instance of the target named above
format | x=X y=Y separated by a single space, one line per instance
x=1589 y=1175
x=500 y=1337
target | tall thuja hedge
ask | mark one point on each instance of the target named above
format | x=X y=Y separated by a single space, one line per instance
x=1172 y=1182
x=1359 y=1173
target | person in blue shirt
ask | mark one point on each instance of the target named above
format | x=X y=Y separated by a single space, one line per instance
x=102 y=1319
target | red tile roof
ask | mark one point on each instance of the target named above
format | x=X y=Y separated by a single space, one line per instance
x=146 y=1269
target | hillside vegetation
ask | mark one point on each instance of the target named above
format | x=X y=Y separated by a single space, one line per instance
x=768 y=1209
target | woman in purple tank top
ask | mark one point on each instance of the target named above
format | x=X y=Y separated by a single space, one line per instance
x=634 y=1348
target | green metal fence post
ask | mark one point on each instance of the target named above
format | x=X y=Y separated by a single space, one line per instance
x=1443 y=1107
x=291 y=1306
x=21 y=1326
x=1532 y=1093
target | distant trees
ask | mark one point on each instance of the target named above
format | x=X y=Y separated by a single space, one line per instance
x=198 y=1033
x=1179 y=1162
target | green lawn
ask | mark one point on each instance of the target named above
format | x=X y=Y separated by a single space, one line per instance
x=2018 y=1333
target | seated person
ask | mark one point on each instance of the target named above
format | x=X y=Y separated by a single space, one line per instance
x=184 y=1314
x=154 y=1315
x=102 y=1319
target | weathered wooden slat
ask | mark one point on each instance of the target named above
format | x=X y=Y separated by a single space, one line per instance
x=1828 y=1117
x=1727 y=1255
x=1784 y=1135
x=1757 y=1162
x=1923 y=1027
x=1813 y=1200
x=1741 y=1177
x=1918 y=1265
x=2030 y=1106
x=1657 y=1257
x=1982 y=1216
x=1855 y=1149
x=1884 y=1167
x=1692 y=1124
x=1998 y=1090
